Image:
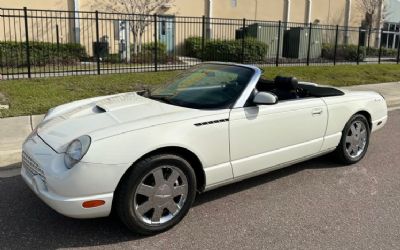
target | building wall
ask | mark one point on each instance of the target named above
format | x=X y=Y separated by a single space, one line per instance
x=297 y=11
x=394 y=15
x=249 y=9
x=326 y=11
x=329 y=12
x=35 y=4
x=179 y=7
x=42 y=24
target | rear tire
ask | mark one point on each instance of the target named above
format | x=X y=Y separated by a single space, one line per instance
x=156 y=194
x=355 y=140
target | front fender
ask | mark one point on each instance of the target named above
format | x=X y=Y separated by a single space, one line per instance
x=210 y=143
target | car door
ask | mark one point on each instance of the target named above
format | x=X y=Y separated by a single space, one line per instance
x=265 y=136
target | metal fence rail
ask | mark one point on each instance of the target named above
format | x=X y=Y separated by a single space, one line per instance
x=42 y=43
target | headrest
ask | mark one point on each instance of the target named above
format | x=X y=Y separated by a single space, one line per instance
x=286 y=83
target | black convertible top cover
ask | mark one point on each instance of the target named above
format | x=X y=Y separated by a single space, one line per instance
x=319 y=91
x=304 y=90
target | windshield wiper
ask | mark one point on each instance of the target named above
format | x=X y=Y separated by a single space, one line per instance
x=162 y=98
x=146 y=92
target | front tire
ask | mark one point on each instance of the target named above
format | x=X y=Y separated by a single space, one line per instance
x=156 y=194
x=355 y=140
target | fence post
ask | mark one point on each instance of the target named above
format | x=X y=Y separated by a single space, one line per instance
x=203 y=34
x=309 y=44
x=243 y=37
x=57 y=38
x=369 y=39
x=97 y=42
x=358 y=46
x=336 y=44
x=279 y=43
x=398 y=50
x=380 y=47
x=28 y=52
x=155 y=44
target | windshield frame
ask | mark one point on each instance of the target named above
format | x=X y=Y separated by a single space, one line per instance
x=240 y=99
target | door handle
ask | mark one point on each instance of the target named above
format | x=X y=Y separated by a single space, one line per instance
x=316 y=111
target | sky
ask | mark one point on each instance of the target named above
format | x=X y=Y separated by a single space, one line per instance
x=394 y=8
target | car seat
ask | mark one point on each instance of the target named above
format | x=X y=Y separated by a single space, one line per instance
x=286 y=88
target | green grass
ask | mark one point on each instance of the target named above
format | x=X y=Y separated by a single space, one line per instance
x=342 y=75
x=36 y=96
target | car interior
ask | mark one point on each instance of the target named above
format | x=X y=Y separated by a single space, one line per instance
x=288 y=88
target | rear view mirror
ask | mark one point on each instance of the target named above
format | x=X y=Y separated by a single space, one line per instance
x=265 y=98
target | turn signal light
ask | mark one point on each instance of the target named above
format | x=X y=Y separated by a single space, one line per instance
x=93 y=203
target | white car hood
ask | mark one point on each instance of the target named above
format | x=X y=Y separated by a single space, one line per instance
x=67 y=122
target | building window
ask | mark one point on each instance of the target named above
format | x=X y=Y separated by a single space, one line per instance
x=233 y=3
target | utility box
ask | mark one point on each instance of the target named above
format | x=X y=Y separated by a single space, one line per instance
x=240 y=32
x=266 y=33
x=269 y=34
x=296 y=41
x=100 y=49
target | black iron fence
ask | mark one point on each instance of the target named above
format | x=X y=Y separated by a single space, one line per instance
x=41 y=43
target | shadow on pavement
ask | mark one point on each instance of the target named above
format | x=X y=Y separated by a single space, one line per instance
x=26 y=222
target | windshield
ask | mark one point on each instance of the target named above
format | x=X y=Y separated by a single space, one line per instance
x=206 y=86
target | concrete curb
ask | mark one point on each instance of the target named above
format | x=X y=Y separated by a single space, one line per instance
x=14 y=130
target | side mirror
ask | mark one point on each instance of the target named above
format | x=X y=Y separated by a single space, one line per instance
x=265 y=98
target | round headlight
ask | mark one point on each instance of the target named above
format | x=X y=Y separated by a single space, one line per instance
x=76 y=150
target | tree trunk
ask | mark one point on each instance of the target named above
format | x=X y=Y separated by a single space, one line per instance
x=140 y=42
x=135 y=43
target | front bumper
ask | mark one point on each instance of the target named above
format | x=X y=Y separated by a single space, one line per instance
x=64 y=189
x=379 y=123
x=71 y=207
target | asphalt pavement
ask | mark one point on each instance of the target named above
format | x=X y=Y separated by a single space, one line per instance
x=318 y=204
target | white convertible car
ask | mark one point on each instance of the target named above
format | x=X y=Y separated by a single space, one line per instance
x=145 y=154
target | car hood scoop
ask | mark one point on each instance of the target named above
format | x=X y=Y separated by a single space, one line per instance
x=119 y=102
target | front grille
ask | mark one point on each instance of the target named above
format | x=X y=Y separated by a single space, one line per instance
x=32 y=166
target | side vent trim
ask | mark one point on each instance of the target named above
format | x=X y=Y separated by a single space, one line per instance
x=210 y=122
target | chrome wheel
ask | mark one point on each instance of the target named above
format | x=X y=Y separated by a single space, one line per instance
x=160 y=195
x=356 y=139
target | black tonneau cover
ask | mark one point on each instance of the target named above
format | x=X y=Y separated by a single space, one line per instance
x=319 y=91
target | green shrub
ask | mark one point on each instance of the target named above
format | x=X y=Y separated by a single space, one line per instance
x=112 y=58
x=227 y=50
x=384 y=53
x=349 y=52
x=146 y=55
x=254 y=50
x=343 y=52
x=13 y=54
x=161 y=47
x=193 y=46
x=231 y=50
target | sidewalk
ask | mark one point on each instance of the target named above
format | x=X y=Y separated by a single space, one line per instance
x=14 y=130
x=391 y=91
